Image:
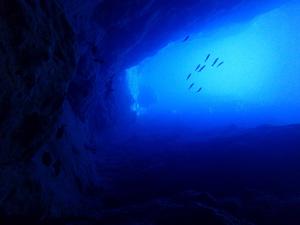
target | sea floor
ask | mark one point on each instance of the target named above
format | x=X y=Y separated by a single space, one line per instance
x=247 y=177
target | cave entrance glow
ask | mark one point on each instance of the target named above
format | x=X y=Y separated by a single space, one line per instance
x=258 y=83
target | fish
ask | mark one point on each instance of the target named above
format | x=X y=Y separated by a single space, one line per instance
x=202 y=68
x=207 y=57
x=197 y=67
x=186 y=38
x=216 y=60
x=188 y=77
x=191 y=86
x=221 y=63
x=199 y=90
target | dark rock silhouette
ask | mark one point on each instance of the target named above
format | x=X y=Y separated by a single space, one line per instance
x=33 y=64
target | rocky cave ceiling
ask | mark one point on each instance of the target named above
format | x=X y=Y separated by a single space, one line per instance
x=103 y=39
x=60 y=64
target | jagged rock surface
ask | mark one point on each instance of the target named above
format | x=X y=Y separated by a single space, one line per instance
x=56 y=119
x=36 y=64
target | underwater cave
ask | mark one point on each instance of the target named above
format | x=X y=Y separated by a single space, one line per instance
x=149 y=112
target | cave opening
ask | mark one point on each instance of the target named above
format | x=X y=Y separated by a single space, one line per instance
x=153 y=112
x=254 y=82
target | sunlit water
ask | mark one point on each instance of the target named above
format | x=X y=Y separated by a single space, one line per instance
x=207 y=141
x=258 y=83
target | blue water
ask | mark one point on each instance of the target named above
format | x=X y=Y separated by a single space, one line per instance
x=233 y=146
x=258 y=83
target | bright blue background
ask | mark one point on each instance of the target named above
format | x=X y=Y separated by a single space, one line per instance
x=259 y=82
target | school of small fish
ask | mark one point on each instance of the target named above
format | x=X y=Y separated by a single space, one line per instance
x=199 y=68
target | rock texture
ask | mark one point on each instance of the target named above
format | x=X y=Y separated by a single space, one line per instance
x=62 y=87
x=36 y=64
x=38 y=59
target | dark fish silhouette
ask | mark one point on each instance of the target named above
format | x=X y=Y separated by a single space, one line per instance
x=186 y=38
x=197 y=67
x=191 y=86
x=188 y=77
x=207 y=57
x=215 y=62
x=202 y=68
x=221 y=63
x=199 y=90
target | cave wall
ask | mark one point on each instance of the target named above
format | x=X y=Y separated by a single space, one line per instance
x=63 y=85
x=37 y=63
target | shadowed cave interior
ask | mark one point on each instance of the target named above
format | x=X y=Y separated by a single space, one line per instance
x=149 y=112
